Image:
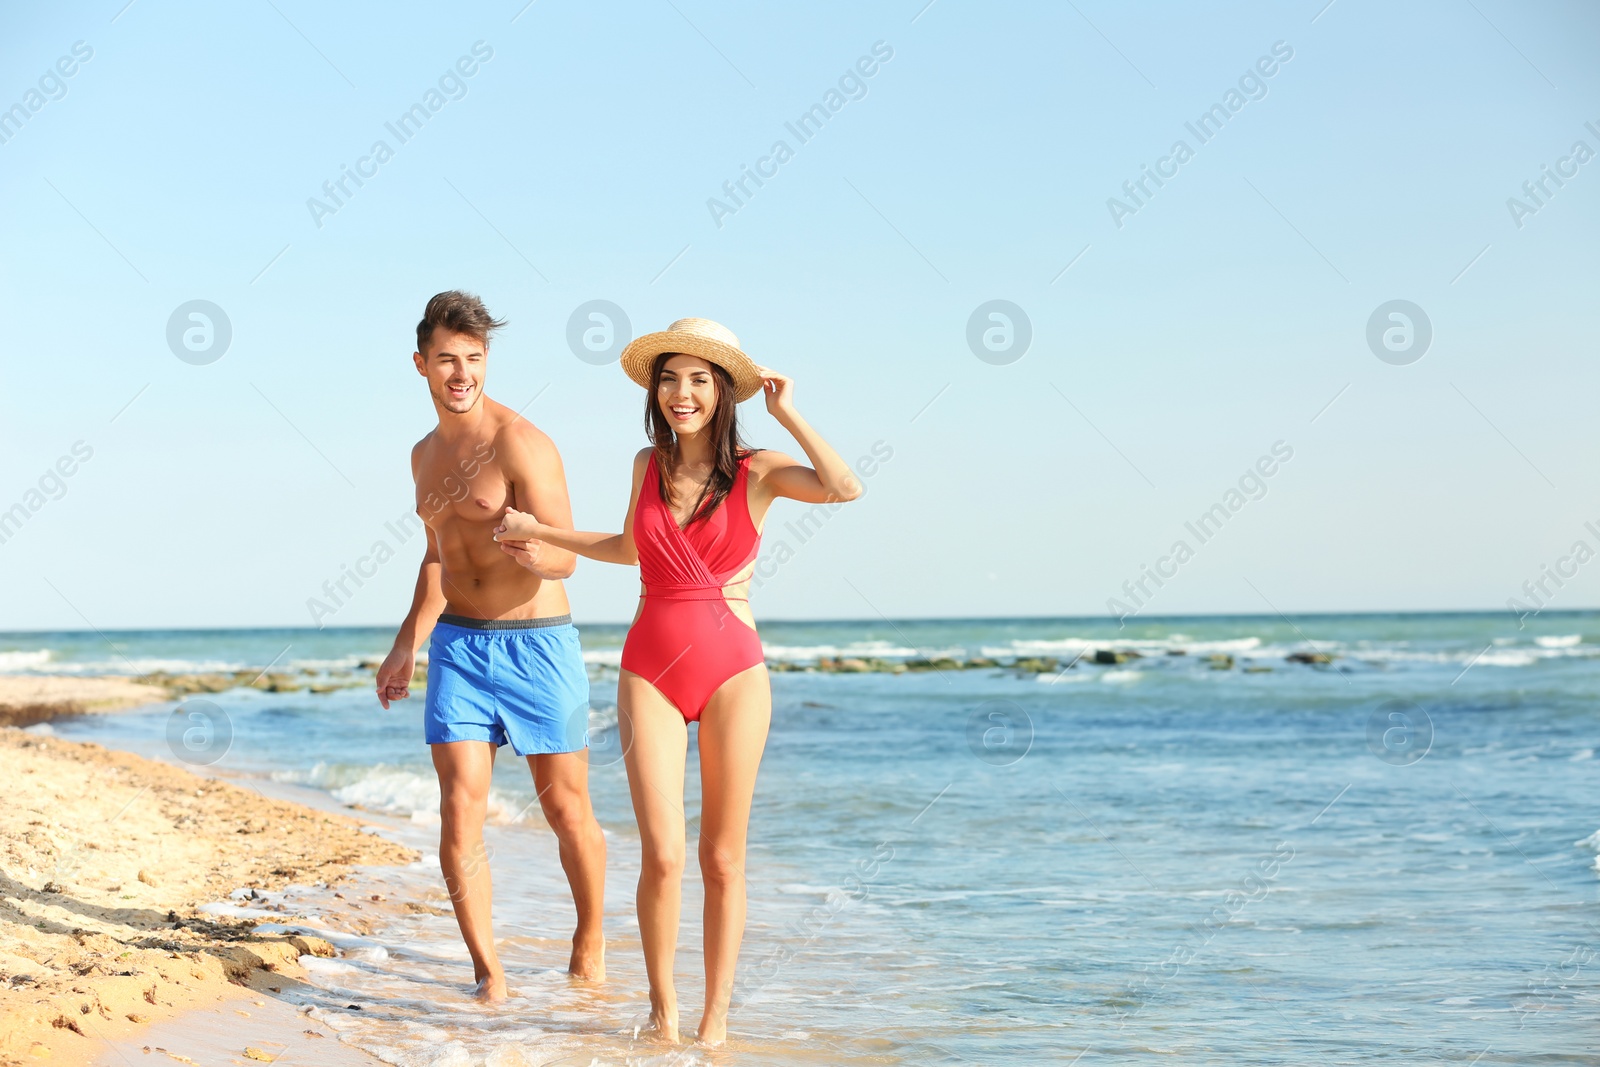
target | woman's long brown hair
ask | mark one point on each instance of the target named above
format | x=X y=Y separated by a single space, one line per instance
x=727 y=448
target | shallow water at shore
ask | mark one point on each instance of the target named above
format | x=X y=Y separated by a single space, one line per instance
x=1147 y=861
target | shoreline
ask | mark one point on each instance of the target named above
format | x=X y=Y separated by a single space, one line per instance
x=398 y=991
x=111 y=863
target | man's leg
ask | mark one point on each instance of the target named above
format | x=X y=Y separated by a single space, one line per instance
x=562 y=780
x=465 y=768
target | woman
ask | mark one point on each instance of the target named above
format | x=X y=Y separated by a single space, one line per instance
x=692 y=654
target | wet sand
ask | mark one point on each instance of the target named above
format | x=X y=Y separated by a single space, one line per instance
x=242 y=1030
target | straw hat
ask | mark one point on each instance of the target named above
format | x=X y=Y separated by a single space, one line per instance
x=711 y=341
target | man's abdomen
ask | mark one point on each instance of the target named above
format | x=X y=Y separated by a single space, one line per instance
x=501 y=591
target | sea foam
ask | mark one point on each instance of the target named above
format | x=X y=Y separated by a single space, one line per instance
x=17 y=662
x=1559 y=641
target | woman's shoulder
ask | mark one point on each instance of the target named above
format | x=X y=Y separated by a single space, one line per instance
x=641 y=465
x=763 y=460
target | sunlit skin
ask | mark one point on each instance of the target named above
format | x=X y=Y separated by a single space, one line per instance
x=687 y=394
x=482 y=459
x=454 y=368
x=733 y=726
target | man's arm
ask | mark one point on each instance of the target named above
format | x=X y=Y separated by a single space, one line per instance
x=427 y=602
x=538 y=486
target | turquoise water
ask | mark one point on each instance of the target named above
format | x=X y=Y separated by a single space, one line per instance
x=1386 y=859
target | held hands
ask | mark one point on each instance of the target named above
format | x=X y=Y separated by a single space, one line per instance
x=778 y=391
x=518 y=534
x=394 y=676
x=518 y=526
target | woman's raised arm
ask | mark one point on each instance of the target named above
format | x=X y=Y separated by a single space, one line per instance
x=829 y=477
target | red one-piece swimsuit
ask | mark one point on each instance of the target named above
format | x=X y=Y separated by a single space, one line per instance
x=687 y=641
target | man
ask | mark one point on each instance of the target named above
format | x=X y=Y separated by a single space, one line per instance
x=504 y=663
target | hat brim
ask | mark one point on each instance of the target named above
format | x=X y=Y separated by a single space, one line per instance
x=640 y=354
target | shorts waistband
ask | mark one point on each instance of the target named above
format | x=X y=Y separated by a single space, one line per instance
x=467 y=623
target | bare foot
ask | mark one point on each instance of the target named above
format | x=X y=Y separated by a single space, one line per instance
x=663 y=1021
x=588 y=962
x=713 y=1029
x=491 y=989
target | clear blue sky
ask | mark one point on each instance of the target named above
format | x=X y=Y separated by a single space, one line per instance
x=176 y=163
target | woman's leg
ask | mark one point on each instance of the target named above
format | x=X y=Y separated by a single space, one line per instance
x=655 y=742
x=733 y=734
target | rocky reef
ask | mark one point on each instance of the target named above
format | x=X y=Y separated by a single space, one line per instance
x=309 y=680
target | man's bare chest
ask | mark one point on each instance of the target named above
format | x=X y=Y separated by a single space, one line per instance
x=462 y=484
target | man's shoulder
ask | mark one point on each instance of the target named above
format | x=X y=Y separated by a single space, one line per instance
x=420 y=449
x=516 y=435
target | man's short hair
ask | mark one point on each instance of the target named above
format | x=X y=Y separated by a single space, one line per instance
x=457 y=312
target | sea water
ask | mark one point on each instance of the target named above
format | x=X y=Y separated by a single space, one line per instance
x=1385 y=858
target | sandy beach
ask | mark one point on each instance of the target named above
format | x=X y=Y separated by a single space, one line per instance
x=107 y=859
x=26 y=699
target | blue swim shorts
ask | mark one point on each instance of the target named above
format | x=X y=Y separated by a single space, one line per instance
x=517 y=682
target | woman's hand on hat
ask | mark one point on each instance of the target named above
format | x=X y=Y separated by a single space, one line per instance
x=777 y=389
